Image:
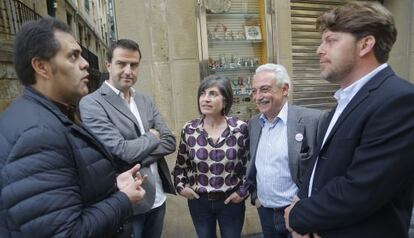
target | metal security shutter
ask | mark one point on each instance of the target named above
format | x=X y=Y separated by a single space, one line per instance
x=308 y=88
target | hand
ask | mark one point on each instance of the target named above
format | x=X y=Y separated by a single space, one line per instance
x=234 y=198
x=134 y=191
x=155 y=132
x=287 y=212
x=294 y=233
x=297 y=235
x=189 y=193
x=257 y=203
x=130 y=176
x=129 y=182
x=127 y=177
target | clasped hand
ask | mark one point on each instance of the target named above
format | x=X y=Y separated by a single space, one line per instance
x=294 y=233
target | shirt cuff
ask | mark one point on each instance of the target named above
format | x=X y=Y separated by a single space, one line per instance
x=242 y=191
x=179 y=188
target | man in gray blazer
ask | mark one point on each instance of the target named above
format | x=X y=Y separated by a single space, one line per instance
x=282 y=141
x=130 y=125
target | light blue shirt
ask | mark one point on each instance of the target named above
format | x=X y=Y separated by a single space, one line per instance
x=275 y=187
x=344 y=96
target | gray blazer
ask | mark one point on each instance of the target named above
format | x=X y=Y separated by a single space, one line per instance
x=300 y=121
x=110 y=119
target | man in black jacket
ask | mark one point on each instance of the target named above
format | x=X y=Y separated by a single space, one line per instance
x=56 y=178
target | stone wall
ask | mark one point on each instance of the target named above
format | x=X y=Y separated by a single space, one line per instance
x=401 y=56
x=167 y=34
x=10 y=87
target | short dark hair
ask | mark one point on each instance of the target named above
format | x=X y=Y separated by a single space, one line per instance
x=362 y=19
x=224 y=86
x=36 y=39
x=125 y=44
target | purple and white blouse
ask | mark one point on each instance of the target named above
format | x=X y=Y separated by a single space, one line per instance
x=212 y=166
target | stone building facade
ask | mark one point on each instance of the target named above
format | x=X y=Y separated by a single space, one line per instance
x=88 y=20
x=170 y=70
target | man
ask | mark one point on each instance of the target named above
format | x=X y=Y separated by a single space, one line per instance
x=282 y=140
x=130 y=125
x=56 y=178
x=362 y=180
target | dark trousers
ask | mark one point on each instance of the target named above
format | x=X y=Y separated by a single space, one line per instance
x=149 y=224
x=273 y=223
x=205 y=214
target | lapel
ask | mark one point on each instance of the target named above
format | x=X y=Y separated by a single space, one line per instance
x=294 y=127
x=325 y=128
x=142 y=110
x=255 y=132
x=362 y=94
x=117 y=102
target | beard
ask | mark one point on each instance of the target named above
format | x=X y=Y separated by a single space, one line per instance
x=339 y=68
x=338 y=72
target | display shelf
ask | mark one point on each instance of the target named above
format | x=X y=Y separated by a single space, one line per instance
x=216 y=70
x=246 y=15
x=230 y=42
x=233 y=47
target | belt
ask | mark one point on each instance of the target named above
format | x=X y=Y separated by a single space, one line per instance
x=214 y=196
x=280 y=209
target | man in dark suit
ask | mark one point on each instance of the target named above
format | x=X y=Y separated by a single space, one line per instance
x=282 y=141
x=362 y=180
x=130 y=125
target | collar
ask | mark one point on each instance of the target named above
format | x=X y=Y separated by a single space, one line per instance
x=118 y=92
x=346 y=94
x=232 y=124
x=68 y=110
x=282 y=116
x=64 y=111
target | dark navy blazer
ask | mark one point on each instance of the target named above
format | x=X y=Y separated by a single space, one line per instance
x=364 y=180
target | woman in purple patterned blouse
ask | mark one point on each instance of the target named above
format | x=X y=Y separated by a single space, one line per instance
x=211 y=162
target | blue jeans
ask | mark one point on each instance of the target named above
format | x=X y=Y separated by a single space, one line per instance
x=273 y=223
x=206 y=213
x=149 y=224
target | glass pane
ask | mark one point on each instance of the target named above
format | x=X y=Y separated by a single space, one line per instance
x=236 y=47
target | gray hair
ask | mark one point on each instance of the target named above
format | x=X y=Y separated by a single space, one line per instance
x=280 y=74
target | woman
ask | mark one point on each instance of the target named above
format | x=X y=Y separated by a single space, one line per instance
x=211 y=162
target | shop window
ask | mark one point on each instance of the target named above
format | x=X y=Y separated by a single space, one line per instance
x=51 y=7
x=69 y=19
x=87 y=5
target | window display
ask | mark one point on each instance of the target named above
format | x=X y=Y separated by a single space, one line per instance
x=232 y=44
